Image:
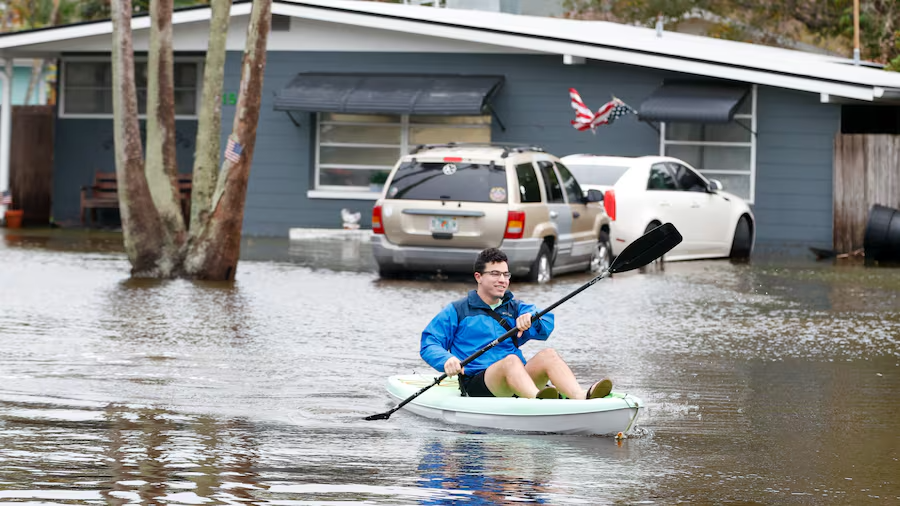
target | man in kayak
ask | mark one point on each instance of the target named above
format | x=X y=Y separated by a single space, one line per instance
x=471 y=323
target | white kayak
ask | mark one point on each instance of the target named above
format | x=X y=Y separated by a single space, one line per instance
x=610 y=415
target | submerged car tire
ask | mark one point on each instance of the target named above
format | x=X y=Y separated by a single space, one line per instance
x=659 y=263
x=386 y=272
x=542 y=270
x=743 y=240
x=652 y=225
x=602 y=256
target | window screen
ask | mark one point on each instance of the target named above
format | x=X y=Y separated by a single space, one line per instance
x=357 y=151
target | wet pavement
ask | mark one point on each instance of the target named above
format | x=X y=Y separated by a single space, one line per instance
x=770 y=382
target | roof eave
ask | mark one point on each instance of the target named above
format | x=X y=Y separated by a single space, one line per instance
x=369 y=17
x=96 y=28
x=858 y=92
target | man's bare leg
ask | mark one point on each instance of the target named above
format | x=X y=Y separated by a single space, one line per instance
x=509 y=376
x=548 y=365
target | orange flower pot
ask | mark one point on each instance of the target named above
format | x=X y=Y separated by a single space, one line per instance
x=14 y=218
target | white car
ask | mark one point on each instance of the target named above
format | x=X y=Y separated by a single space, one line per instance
x=644 y=192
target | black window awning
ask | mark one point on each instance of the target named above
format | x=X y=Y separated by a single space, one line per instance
x=693 y=102
x=437 y=94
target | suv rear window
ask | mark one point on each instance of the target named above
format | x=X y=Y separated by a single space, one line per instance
x=470 y=182
x=606 y=175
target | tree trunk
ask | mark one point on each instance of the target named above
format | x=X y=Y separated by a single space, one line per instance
x=160 y=168
x=142 y=232
x=37 y=71
x=215 y=254
x=209 y=129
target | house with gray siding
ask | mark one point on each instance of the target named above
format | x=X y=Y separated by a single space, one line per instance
x=350 y=86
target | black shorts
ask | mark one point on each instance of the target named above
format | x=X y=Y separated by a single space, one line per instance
x=474 y=386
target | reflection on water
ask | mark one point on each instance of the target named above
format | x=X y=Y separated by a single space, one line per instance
x=122 y=454
x=474 y=472
x=764 y=383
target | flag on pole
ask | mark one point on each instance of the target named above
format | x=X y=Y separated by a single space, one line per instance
x=583 y=115
x=606 y=115
x=6 y=198
x=233 y=151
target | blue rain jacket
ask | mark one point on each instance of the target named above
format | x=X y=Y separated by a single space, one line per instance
x=465 y=326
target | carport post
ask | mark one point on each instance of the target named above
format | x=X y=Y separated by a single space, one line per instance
x=5 y=126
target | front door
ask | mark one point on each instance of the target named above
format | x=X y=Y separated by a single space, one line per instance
x=709 y=214
x=670 y=205
x=560 y=214
x=584 y=239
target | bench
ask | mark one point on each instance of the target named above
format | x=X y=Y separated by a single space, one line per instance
x=104 y=194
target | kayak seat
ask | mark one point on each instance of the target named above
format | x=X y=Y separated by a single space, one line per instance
x=600 y=389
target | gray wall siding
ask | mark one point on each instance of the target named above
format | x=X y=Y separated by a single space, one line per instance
x=533 y=105
x=85 y=146
x=794 y=166
x=794 y=151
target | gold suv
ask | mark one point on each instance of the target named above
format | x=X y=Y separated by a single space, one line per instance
x=443 y=204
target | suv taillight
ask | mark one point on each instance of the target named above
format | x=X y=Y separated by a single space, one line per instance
x=515 y=225
x=609 y=203
x=377 y=225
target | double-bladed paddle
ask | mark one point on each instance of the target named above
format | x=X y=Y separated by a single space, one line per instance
x=647 y=248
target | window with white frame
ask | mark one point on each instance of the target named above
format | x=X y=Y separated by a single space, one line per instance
x=87 y=87
x=355 y=152
x=723 y=151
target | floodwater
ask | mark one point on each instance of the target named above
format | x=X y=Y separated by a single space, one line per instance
x=773 y=382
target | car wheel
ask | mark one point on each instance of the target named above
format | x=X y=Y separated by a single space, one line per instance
x=602 y=255
x=542 y=270
x=658 y=263
x=386 y=272
x=743 y=240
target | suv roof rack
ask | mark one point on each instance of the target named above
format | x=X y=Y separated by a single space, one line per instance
x=508 y=147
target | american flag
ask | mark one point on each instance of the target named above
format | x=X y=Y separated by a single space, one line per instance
x=608 y=113
x=233 y=151
x=6 y=199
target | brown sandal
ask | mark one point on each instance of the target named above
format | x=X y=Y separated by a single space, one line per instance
x=599 y=389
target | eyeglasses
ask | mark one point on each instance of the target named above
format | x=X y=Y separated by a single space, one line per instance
x=497 y=274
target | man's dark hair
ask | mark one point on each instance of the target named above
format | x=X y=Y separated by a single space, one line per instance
x=490 y=255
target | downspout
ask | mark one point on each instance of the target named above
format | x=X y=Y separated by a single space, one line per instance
x=5 y=125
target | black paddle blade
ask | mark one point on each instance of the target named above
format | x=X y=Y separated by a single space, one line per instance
x=647 y=248
x=379 y=416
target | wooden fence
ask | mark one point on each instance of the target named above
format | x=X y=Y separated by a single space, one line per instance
x=31 y=162
x=866 y=172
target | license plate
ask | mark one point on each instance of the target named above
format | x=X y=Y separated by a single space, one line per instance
x=444 y=225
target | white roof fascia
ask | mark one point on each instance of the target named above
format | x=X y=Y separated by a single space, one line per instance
x=589 y=39
x=63 y=33
x=575 y=49
x=680 y=49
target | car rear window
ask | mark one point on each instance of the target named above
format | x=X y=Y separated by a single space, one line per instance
x=470 y=182
x=605 y=175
